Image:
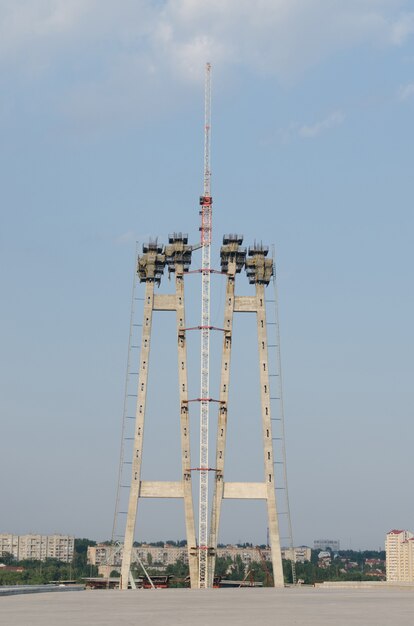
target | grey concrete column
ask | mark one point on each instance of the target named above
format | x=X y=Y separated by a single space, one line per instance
x=185 y=427
x=222 y=417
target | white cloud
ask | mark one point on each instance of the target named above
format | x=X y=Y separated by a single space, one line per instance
x=273 y=36
x=402 y=28
x=26 y=23
x=115 y=53
x=406 y=91
x=312 y=131
x=305 y=131
x=277 y=37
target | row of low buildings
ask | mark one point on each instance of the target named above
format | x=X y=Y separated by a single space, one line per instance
x=399 y=550
x=38 y=547
x=103 y=554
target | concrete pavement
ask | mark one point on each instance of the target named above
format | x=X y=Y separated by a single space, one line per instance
x=222 y=607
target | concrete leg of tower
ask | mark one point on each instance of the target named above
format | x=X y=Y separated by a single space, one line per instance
x=185 y=428
x=176 y=254
x=222 y=418
x=138 y=436
x=273 y=523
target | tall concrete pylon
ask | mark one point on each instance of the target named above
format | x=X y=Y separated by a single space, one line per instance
x=177 y=256
x=259 y=270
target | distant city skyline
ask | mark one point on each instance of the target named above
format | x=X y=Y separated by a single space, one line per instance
x=313 y=544
x=101 y=127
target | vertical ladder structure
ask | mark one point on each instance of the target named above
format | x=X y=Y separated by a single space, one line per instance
x=128 y=407
x=278 y=427
x=259 y=270
x=177 y=256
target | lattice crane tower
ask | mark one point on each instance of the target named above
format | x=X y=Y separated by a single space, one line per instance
x=206 y=231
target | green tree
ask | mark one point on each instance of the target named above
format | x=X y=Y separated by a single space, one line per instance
x=238 y=569
x=7 y=558
x=222 y=565
x=80 y=552
x=258 y=573
x=179 y=569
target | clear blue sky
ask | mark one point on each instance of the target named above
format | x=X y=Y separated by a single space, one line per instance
x=101 y=144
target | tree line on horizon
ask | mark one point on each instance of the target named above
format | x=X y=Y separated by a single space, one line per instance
x=43 y=572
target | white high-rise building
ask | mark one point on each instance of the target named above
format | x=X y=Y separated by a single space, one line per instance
x=38 y=547
x=399 y=549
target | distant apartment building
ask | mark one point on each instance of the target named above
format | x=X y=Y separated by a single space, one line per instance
x=248 y=554
x=38 y=547
x=167 y=555
x=299 y=554
x=399 y=554
x=103 y=554
x=162 y=556
x=327 y=544
x=9 y=544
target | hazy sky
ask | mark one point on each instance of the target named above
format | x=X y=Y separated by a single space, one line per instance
x=101 y=144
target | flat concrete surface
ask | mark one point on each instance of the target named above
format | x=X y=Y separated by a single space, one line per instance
x=221 y=607
x=16 y=590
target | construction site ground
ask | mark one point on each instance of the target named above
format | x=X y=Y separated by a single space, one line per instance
x=238 y=607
